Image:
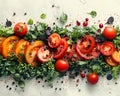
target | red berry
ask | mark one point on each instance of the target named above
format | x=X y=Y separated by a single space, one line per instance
x=78 y=23
x=100 y=25
x=85 y=23
x=86 y=19
x=82 y=75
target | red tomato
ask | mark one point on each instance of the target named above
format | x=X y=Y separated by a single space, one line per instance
x=44 y=54
x=20 y=29
x=107 y=48
x=62 y=65
x=86 y=44
x=61 y=49
x=109 y=32
x=93 y=78
x=54 y=40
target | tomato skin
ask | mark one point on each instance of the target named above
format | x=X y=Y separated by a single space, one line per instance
x=107 y=48
x=116 y=56
x=92 y=78
x=44 y=54
x=61 y=65
x=54 y=40
x=20 y=29
x=61 y=50
x=109 y=32
x=110 y=61
x=86 y=44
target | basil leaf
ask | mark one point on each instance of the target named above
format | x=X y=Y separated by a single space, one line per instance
x=93 y=14
x=63 y=18
x=43 y=16
x=30 y=22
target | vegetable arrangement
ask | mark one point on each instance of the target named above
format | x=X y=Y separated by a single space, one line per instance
x=42 y=51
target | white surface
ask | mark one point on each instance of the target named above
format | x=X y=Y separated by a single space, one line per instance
x=76 y=10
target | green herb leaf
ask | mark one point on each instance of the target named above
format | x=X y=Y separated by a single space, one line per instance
x=43 y=16
x=30 y=22
x=63 y=18
x=93 y=14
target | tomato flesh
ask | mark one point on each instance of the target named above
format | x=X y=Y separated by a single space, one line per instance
x=54 y=40
x=44 y=54
x=61 y=50
x=107 y=48
x=116 y=56
x=110 y=61
x=1 y=41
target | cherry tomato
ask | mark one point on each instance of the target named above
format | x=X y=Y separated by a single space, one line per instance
x=20 y=29
x=110 y=61
x=107 y=48
x=109 y=32
x=61 y=50
x=92 y=78
x=62 y=65
x=86 y=44
x=31 y=52
x=54 y=40
x=8 y=46
x=116 y=56
x=44 y=54
x=20 y=48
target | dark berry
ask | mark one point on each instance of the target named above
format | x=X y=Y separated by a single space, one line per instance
x=78 y=23
x=100 y=25
x=86 y=19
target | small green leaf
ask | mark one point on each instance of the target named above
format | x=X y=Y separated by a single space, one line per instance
x=30 y=22
x=43 y=16
x=21 y=84
x=93 y=14
x=63 y=18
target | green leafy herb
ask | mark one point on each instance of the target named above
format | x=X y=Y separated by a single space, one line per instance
x=63 y=18
x=30 y=22
x=93 y=14
x=43 y=16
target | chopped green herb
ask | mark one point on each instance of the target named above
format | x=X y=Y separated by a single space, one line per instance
x=43 y=16
x=63 y=18
x=30 y=22
x=93 y=14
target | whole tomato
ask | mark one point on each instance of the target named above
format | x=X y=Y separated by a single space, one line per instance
x=20 y=29
x=61 y=65
x=93 y=78
x=109 y=32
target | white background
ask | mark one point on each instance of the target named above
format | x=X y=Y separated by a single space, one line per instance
x=76 y=10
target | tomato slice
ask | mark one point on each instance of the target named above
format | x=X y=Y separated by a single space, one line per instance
x=86 y=44
x=61 y=49
x=110 y=61
x=1 y=41
x=116 y=56
x=91 y=55
x=8 y=46
x=107 y=48
x=54 y=40
x=44 y=54
x=31 y=52
x=20 y=49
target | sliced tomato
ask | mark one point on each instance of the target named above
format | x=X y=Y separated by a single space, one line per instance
x=107 y=48
x=110 y=61
x=31 y=52
x=86 y=44
x=8 y=46
x=20 y=49
x=1 y=41
x=44 y=54
x=91 y=55
x=116 y=56
x=61 y=49
x=54 y=40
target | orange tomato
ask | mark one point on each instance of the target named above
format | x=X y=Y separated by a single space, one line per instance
x=8 y=46
x=31 y=52
x=1 y=41
x=20 y=49
x=116 y=56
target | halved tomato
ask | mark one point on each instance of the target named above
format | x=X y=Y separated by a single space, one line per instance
x=54 y=40
x=1 y=41
x=107 y=48
x=8 y=46
x=20 y=49
x=116 y=56
x=31 y=52
x=60 y=51
x=44 y=54
x=110 y=61
x=86 y=44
